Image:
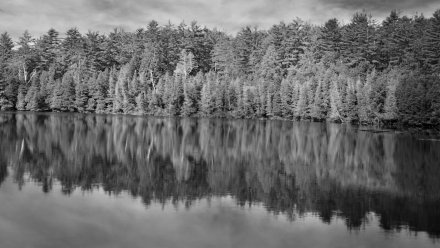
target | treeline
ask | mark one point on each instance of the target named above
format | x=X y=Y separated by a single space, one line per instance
x=359 y=72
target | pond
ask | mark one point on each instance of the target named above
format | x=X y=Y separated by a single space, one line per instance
x=71 y=180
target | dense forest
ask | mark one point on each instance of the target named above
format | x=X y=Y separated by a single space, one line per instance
x=363 y=71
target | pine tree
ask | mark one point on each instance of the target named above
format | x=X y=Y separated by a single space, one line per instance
x=317 y=111
x=358 y=40
x=121 y=101
x=131 y=92
x=50 y=86
x=81 y=97
x=351 y=101
x=73 y=48
x=68 y=92
x=390 y=106
x=5 y=104
x=269 y=68
x=247 y=102
x=186 y=63
x=173 y=95
x=6 y=46
x=434 y=100
x=276 y=104
x=268 y=105
x=43 y=91
x=32 y=97
x=330 y=37
x=223 y=58
x=190 y=100
x=335 y=103
x=206 y=102
x=56 y=104
x=111 y=90
x=219 y=94
x=362 y=97
x=88 y=94
x=141 y=104
x=21 y=103
x=286 y=99
x=101 y=91
x=48 y=49
x=301 y=107
x=432 y=44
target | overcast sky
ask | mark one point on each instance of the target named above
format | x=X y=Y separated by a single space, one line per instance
x=37 y=16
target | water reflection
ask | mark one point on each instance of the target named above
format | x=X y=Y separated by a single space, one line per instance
x=292 y=169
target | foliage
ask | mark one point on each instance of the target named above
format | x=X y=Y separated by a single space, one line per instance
x=362 y=71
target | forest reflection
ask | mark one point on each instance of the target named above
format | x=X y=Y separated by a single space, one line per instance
x=292 y=168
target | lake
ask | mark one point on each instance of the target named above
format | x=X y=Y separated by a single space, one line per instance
x=71 y=180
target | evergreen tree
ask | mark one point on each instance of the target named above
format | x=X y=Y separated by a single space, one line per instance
x=141 y=104
x=111 y=90
x=6 y=46
x=48 y=49
x=301 y=107
x=81 y=97
x=101 y=91
x=68 y=92
x=32 y=97
x=186 y=63
x=330 y=37
x=21 y=102
x=118 y=100
x=335 y=103
x=432 y=44
x=351 y=101
x=56 y=104
x=190 y=101
x=390 y=106
x=358 y=40
x=206 y=101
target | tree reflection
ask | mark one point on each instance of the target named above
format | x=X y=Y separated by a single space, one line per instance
x=292 y=168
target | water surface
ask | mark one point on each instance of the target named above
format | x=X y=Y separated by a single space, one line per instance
x=70 y=180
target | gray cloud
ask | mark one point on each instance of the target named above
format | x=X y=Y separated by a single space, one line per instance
x=381 y=8
x=227 y=15
x=380 y=5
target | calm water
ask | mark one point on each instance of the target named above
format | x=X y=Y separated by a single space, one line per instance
x=113 y=181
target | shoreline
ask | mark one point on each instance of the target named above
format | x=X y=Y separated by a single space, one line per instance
x=374 y=128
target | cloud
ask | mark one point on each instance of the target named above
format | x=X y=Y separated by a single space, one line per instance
x=379 y=5
x=381 y=8
x=227 y=15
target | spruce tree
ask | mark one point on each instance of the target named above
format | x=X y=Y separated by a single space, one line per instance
x=81 y=97
x=56 y=104
x=301 y=107
x=68 y=92
x=189 y=106
x=390 y=106
x=286 y=98
x=89 y=93
x=32 y=97
x=432 y=43
x=101 y=91
x=141 y=104
x=330 y=37
x=335 y=103
x=111 y=90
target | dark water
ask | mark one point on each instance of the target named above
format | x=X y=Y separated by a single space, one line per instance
x=106 y=181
